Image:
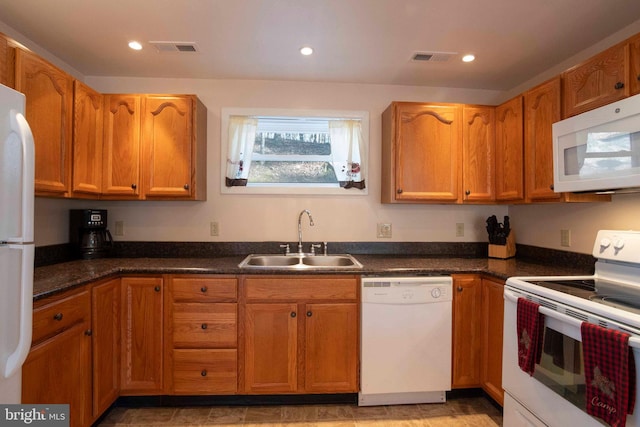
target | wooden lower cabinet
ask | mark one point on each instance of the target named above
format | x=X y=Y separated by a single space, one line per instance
x=201 y=335
x=492 y=325
x=478 y=313
x=105 y=319
x=58 y=368
x=300 y=334
x=141 y=336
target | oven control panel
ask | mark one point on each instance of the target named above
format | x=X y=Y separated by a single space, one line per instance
x=617 y=245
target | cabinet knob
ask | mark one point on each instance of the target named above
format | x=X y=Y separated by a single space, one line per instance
x=467 y=192
x=293 y=314
x=88 y=332
x=399 y=191
x=459 y=289
x=186 y=186
x=619 y=85
x=203 y=326
x=203 y=289
x=551 y=187
x=309 y=314
x=157 y=289
x=638 y=76
x=57 y=316
x=203 y=373
x=134 y=186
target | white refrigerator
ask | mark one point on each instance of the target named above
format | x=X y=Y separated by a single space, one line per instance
x=16 y=242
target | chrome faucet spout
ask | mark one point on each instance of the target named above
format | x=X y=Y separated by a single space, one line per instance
x=300 y=227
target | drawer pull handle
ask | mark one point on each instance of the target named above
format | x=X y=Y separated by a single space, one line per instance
x=203 y=326
x=88 y=332
x=58 y=316
x=203 y=289
x=293 y=314
x=309 y=314
x=203 y=373
x=157 y=289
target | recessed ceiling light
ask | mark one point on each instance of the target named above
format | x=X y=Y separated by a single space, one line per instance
x=468 y=58
x=135 y=45
x=306 y=50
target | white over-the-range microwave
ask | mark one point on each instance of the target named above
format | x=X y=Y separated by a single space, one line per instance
x=599 y=151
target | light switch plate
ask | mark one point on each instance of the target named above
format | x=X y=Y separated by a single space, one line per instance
x=565 y=238
x=460 y=229
x=214 y=228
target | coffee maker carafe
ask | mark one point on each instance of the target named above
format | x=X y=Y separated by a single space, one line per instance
x=88 y=233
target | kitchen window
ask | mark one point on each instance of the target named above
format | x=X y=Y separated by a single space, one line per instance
x=268 y=151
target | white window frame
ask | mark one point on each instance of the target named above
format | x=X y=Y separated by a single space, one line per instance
x=289 y=188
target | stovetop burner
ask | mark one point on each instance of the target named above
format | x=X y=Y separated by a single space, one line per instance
x=628 y=304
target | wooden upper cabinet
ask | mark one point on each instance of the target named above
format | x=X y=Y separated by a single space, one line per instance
x=170 y=143
x=509 y=151
x=49 y=94
x=7 y=55
x=421 y=155
x=478 y=154
x=634 y=65
x=121 y=152
x=87 y=140
x=599 y=81
x=541 y=110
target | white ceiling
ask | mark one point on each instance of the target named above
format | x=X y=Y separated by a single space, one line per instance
x=366 y=41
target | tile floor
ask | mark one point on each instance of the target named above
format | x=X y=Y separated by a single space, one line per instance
x=462 y=412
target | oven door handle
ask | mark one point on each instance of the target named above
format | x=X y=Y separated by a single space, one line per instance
x=633 y=340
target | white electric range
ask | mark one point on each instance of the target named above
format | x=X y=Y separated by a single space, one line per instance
x=555 y=394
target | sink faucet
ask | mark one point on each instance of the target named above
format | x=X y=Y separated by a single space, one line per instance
x=300 y=228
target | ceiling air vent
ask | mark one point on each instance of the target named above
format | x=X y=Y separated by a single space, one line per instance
x=169 y=47
x=432 y=56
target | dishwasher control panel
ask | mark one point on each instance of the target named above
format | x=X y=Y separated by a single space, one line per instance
x=406 y=290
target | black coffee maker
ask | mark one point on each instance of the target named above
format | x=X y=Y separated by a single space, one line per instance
x=88 y=234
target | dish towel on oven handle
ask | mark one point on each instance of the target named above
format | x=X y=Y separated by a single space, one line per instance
x=610 y=373
x=530 y=326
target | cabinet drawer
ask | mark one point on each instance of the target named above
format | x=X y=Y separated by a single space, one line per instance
x=205 y=325
x=301 y=288
x=203 y=289
x=53 y=318
x=205 y=371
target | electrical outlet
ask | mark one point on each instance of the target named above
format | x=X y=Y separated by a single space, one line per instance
x=214 y=228
x=459 y=229
x=384 y=230
x=565 y=238
x=119 y=231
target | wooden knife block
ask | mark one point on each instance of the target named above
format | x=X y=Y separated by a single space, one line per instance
x=504 y=251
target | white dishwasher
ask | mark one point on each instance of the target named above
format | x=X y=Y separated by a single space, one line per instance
x=405 y=354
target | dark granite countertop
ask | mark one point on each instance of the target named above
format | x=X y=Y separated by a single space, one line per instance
x=59 y=277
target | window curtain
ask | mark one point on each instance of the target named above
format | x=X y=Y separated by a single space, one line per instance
x=347 y=152
x=242 y=135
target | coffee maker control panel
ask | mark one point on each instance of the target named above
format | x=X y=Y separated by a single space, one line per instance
x=95 y=219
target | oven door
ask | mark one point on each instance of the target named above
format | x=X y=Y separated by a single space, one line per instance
x=556 y=392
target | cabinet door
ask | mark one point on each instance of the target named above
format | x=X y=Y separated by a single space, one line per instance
x=167 y=140
x=6 y=62
x=58 y=370
x=510 y=151
x=271 y=347
x=331 y=348
x=141 y=333
x=121 y=162
x=427 y=152
x=599 y=81
x=478 y=159
x=541 y=110
x=467 y=332
x=49 y=93
x=634 y=65
x=87 y=140
x=493 y=318
x=105 y=312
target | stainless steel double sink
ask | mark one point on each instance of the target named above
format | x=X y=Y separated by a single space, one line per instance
x=300 y=262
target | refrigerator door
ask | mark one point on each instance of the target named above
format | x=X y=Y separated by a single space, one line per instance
x=16 y=169
x=16 y=305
